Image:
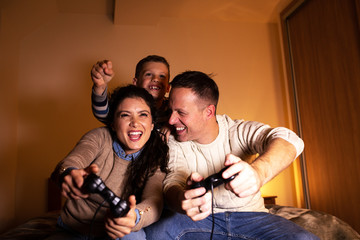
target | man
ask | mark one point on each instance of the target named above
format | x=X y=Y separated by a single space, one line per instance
x=205 y=143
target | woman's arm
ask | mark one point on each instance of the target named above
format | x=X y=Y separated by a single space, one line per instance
x=151 y=206
x=76 y=164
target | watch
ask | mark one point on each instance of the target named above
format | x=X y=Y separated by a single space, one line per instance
x=63 y=172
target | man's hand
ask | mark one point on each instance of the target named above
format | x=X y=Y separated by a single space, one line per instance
x=119 y=227
x=247 y=182
x=195 y=204
x=72 y=183
x=101 y=74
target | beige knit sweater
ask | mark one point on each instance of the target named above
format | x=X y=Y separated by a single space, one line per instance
x=96 y=147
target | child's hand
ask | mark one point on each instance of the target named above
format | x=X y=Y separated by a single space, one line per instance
x=165 y=132
x=101 y=74
x=119 y=227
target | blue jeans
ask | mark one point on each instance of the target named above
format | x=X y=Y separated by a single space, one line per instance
x=65 y=232
x=228 y=225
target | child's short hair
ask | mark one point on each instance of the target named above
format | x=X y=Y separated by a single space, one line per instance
x=150 y=58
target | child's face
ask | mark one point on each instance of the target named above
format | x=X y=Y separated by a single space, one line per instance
x=154 y=77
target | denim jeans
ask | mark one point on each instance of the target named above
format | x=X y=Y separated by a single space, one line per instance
x=228 y=225
x=65 y=232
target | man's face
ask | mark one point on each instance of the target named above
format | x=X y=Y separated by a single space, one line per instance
x=188 y=115
x=154 y=77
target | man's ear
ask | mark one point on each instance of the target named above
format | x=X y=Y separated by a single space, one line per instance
x=168 y=88
x=135 y=81
x=210 y=111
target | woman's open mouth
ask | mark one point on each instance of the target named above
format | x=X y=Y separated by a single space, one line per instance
x=135 y=135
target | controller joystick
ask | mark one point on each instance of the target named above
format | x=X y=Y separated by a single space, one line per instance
x=215 y=180
x=94 y=184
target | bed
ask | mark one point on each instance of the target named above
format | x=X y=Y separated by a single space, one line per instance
x=325 y=226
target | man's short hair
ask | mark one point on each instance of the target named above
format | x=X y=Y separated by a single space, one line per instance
x=200 y=83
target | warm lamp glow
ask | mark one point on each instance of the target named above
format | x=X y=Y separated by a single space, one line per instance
x=276 y=186
x=298 y=184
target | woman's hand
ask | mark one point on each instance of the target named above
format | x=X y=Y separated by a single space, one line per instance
x=119 y=227
x=72 y=182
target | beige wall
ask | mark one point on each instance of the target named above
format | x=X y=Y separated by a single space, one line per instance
x=47 y=49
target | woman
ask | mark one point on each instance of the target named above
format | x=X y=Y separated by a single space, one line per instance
x=131 y=159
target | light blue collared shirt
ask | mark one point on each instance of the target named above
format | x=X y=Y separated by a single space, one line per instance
x=121 y=153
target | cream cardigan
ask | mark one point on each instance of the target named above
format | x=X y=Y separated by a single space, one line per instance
x=241 y=138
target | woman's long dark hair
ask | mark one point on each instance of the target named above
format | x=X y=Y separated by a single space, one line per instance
x=154 y=154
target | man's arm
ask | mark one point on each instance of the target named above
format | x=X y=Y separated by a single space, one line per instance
x=173 y=197
x=195 y=203
x=278 y=155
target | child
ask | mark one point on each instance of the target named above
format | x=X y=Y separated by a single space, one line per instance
x=152 y=73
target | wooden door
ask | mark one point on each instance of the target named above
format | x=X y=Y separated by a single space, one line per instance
x=322 y=46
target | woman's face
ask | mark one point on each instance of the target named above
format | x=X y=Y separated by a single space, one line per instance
x=133 y=124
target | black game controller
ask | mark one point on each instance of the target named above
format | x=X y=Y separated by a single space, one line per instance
x=94 y=184
x=215 y=180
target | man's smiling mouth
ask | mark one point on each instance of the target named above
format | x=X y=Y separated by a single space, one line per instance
x=180 y=129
